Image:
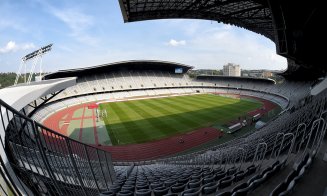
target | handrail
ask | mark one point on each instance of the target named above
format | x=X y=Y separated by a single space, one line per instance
x=322 y=127
x=281 y=145
x=41 y=153
x=242 y=157
x=275 y=143
x=315 y=124
x=262 y=154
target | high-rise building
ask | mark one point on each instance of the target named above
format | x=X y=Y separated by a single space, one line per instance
x=231 y=70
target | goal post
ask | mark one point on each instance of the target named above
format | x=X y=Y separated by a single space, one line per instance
x=104 y=113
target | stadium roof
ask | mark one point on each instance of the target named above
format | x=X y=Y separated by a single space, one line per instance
x=132 y=65
x=294 y=26
x=240 y=79
x=253 y=15
x=21 y=95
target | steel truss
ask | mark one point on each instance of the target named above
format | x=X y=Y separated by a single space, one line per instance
x=252 y=15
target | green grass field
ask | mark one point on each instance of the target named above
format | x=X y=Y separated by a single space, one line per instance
x=141 y=121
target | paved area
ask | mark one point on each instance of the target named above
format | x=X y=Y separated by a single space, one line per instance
x=314 y=182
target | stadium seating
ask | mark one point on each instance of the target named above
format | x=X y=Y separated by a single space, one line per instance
x=123 y=85
x=237 y=167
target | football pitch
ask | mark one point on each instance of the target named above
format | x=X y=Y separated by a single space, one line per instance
x=145 y=120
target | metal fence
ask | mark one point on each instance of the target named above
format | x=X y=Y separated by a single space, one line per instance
x=300 y=131
x=49 y=163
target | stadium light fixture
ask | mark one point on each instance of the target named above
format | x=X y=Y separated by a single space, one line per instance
x=38 y=52
x=37 y=56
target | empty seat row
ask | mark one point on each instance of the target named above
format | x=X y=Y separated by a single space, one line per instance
x=287 y=186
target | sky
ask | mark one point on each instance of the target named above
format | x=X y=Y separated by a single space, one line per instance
x=88 y=33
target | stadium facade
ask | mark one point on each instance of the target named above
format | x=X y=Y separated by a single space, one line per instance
x=36 y=160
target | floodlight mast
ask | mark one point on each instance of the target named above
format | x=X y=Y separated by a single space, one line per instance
x=37 y=56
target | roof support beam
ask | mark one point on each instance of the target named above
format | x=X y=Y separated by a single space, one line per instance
x=202 y=3
x=242 y=11
x=218 y=4
x=45 y=100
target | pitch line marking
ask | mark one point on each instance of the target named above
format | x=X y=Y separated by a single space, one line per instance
x=81 y=126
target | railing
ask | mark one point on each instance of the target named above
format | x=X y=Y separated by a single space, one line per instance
x=291 y=139
x=51 y=163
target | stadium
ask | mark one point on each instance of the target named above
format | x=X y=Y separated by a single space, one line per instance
x=145 y=127
x=148 y=101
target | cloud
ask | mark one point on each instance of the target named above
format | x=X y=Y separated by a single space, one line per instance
x=210 y=47
x=74 y=19
x=11 y=46
x=78 y=22
x=175 y=43
x=214 y=47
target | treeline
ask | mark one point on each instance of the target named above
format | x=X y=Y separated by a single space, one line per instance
x=8 y=79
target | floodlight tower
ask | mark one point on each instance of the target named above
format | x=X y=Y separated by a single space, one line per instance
x=37 y=56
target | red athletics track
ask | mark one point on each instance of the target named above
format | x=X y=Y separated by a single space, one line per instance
x=149 y=150
x=163 y=147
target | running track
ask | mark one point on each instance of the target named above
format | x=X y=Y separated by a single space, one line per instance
x=150 y=150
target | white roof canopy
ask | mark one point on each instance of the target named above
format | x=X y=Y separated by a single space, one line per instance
x=21 y=95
